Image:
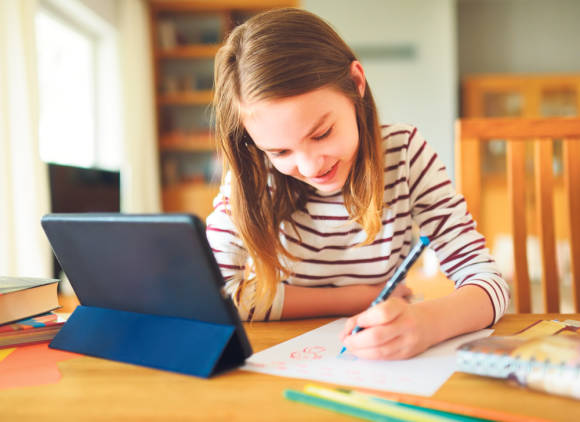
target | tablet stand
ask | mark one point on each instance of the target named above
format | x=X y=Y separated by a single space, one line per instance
x=173 y=344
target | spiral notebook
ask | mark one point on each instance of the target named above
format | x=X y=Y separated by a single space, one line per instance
x=544 y=357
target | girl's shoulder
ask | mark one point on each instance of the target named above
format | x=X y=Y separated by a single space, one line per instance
x=397 y=134
x=396 y=142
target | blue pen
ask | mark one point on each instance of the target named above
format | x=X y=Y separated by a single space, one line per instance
x=396 y=278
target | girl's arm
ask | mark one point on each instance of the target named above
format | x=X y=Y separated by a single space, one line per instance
x=399 y=330
x=305 y=302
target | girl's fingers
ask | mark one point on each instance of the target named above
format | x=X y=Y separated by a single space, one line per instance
x=383 y=313
x=348 y=327
x=374 y=337
x=391 y=350
x=402 y=290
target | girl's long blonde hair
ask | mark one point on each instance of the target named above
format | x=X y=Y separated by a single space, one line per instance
x=278 y=54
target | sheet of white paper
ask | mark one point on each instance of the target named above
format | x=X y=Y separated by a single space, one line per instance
x=315 y=356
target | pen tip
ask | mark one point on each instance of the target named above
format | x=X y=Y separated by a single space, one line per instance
x=342 y=350
x=425 y=240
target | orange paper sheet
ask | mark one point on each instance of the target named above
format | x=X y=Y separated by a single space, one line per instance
x=31 y=365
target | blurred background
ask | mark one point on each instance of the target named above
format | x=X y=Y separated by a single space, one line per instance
x=104 y=104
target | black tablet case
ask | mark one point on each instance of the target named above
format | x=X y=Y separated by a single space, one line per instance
x=150 y=292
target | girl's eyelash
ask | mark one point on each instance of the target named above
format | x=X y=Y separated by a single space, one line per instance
x=316 y=138
x=324 y=135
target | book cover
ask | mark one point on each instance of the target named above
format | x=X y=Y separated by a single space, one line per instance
x=549 y=363
x=31 y=330
x=22 y=297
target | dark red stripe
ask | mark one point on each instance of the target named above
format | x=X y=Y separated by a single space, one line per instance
x=396 y=182
x=344 y=247
x=395 y=149
x=435 y=218
x=444 y=244
x=355 y=276
x=397 y=199
x=224 y=203
x=433 y=206
x=418 y=153
x=251 y=313
x=325 y=196
x=399 y=132
x=469 y=223
x=352 y=231
x=216 y=229
x=472 y=264
x=353 y=261
x=461 y=255
x=432 y=189
x=238 y=292
x=461 y=263
x=329 y=217
x=461 y=200
x=423 y=172
x=395 y=166
x=329 y=234
x=459 y=251
x=320 y=201
x=231 y=267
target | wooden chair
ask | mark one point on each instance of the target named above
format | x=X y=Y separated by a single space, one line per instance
x=470 y=133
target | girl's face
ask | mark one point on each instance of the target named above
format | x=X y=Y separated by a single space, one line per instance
x=312 y=137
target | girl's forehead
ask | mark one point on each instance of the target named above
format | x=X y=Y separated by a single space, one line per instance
x=318 y=101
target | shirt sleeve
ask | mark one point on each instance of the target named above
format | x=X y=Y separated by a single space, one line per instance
x=442 y=215
x=233 y=259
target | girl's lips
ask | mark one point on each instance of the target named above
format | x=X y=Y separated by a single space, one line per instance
x=326 y=177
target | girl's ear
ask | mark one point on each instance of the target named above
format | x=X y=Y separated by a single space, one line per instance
x=358 y=76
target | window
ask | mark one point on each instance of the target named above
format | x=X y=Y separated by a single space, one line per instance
x=78 y=106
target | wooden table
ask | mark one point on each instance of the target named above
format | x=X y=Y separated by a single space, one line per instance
x=97 y=390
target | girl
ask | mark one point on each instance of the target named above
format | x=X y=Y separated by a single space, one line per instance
x=316 y=209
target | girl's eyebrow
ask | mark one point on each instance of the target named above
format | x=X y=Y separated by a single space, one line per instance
x=317 y=125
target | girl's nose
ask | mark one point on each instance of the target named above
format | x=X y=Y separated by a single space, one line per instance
x=310 y=165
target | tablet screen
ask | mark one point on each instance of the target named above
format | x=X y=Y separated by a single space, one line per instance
x=157 y=264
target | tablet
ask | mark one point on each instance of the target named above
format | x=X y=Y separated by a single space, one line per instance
x=158 y=264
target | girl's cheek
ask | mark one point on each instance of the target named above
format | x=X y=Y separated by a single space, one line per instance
x=283 y=168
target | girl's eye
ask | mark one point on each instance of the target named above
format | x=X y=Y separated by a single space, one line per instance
x=279 y=153
x=324 y=135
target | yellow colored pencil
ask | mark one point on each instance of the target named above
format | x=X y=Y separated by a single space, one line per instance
x=358 y=400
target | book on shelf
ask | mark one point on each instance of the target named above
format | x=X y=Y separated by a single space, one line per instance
x=22 y=297
x=31 y=330
x=545 y=357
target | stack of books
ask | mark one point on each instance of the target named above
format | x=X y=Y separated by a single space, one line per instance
x=26 y=306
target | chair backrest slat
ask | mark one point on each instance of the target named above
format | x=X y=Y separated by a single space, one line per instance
x=516 y=175
x=470 y=167
x=544 y=186
x=571 y=158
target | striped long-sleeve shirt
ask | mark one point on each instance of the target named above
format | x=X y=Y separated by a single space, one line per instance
x=417 y=191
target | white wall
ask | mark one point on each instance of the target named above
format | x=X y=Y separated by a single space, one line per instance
x=421 y=90
x=519 y=36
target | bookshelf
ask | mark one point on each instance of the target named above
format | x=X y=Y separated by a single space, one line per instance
x=186 y=35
